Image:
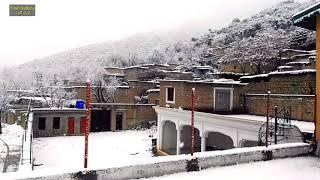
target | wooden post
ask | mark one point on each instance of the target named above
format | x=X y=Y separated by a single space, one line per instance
x=317 y=119
x=86 y=134
x=192 y=122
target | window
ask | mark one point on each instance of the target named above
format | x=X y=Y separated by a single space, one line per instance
x=170 y=95
x=42 y=123
x=56 y=122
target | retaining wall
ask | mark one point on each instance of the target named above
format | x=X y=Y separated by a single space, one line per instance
x=159 y=166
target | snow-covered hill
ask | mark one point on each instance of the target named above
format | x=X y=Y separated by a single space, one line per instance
x=179 y=46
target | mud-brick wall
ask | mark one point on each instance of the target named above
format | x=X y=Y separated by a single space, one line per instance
x=204 y=95
x=284 y=84
x=183 y=93
x=138 y=115
x=154 y=97
x=302 y=106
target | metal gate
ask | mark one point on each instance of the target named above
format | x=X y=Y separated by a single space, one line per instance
x=222 y=100
x=279 y=129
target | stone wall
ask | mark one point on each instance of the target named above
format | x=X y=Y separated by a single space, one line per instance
x=122 y=94
x=138 y=115
x=134 y=115
x=302 y=106
x=154 y=97
x=284 y=84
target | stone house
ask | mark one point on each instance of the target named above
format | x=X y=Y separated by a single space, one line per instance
x=211 y=96
x=19 y=107
x=57 y=122
x=104 y=117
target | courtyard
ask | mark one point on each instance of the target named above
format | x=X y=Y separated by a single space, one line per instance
x=106 y=149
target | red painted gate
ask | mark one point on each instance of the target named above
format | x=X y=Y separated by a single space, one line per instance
x=70 y=125
x=83 y=125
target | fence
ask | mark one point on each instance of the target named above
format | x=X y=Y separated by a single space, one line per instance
x=26 y=158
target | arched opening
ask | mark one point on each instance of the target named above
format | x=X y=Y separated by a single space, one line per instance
x=248 y=143
x=218 y=141
x=186 y=140
x=169 y=137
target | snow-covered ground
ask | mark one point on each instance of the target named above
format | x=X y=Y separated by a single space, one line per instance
x=285 y=169
x=10 y=147
x=106 y=149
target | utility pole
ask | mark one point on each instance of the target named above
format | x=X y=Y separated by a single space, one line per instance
x=86 y=134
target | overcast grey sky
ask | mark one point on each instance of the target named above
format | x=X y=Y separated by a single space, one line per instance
x=63 y=24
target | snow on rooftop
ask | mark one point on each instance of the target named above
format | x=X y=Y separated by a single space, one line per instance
x=115 y=74
x=123 y=87
x=254 y=76
x=138 y=66
x=299 y=51
x=153 y=90
x=163 y=65
x=203 y=67
x=295 y=63
x=230 y=73
x=64 y=109
x=165 y=71
x=294 y=72
x=36 y=98
x=209 y=81
x=285 y=67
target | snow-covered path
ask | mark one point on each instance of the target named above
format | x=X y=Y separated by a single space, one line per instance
x=106 y=149
x=285 y=169
x=10 y=147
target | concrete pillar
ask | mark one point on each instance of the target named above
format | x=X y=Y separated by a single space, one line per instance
x=113 y=119
x=203 y=143
x=203 y=136
x=178 y=138
x=159 y=130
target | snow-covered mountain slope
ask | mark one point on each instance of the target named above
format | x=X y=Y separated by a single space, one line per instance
x=179 y=46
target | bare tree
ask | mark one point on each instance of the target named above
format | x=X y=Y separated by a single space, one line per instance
x=117 y=60
x=132 y=59
x=5 y=98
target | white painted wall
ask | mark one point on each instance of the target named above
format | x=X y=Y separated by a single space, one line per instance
x=173 y=164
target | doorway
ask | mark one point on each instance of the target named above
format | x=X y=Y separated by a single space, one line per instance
x=100 y=120
x=71 y=125
x=119 y=121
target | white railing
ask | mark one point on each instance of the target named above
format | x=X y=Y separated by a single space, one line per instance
x=26 y=158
